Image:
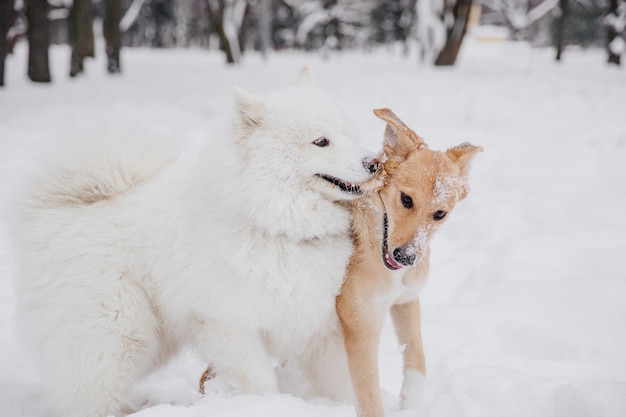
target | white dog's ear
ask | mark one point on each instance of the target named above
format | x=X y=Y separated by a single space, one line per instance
x=249 y=109
x=305 y=76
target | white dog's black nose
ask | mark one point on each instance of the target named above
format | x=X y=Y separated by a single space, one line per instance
x=403 y=257
x=371 y=164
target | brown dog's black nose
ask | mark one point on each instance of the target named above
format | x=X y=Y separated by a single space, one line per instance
x=371 y=165
x=401 y=255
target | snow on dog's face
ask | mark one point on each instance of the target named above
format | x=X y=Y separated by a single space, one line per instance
x=421 y=188
x=296 y=154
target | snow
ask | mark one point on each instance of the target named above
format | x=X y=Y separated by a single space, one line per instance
x=524 y=313
x=617 y=46
x=443 y=187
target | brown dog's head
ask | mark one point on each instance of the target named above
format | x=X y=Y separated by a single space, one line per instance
x=420 y=189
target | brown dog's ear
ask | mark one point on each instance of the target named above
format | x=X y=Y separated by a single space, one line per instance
x=462 y=155
x=399 y=140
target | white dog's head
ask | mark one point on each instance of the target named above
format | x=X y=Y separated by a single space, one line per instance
x=296 y=154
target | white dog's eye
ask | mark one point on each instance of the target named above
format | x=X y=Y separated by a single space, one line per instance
x=321 y=142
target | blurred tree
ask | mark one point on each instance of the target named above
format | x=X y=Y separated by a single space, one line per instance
x=393 y=20
x=151 y=23
x=131 y=15
x=284 y=21
x=113 y=34
x=80 y=34
x=7 y=20
x=227 y=18
x=332 y=24
x=164 y=31
x=519 y=16
x=577 y=22
x=38 y=40
x=616 y=22
x=560 y=21
x=183 y=17
x=549 y=22
x=430 y=28
x=279 y=24
x=265 y=25
x=455 y=34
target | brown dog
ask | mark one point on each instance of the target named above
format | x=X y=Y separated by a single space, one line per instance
x=415 y=190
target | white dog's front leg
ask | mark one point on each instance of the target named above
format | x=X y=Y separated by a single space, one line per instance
x=240 y=356
x=326 y=365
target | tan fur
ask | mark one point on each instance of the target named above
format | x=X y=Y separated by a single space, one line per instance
x=435 y=181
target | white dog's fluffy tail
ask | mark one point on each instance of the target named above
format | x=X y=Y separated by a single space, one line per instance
x=105 y=170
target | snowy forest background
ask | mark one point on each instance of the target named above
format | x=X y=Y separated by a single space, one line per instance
x=435 y=27
x=524 y=312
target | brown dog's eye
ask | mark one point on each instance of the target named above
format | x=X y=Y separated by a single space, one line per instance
x=321 y=142
x=407 y=201
x=439 y=215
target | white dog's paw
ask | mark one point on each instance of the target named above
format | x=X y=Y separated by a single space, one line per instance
x=412 y=394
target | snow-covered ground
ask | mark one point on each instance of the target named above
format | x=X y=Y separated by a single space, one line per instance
x=525 y=311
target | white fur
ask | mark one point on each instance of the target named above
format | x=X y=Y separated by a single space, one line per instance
x=401 y=291
x=412 y=393
x=238 y=251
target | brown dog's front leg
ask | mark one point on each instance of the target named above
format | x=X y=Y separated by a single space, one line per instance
x=407 y=322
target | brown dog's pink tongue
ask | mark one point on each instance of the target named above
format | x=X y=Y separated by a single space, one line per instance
x=390 y=261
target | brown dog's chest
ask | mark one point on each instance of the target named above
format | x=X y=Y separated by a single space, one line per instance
x=405 y=285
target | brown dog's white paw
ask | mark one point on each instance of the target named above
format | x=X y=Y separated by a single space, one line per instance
x=412 y=394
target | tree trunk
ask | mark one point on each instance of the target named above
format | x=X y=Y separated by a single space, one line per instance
x=7 y=19
x=265 y=26
x=448 y=54
x=241 y=33
x=38 y=40
x=612 y=34
x=216 y=17
x=113 y=34
x=560 y=29
x=231 y=38
x=80 y=28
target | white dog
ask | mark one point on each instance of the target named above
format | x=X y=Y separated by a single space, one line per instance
x=239 y=252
